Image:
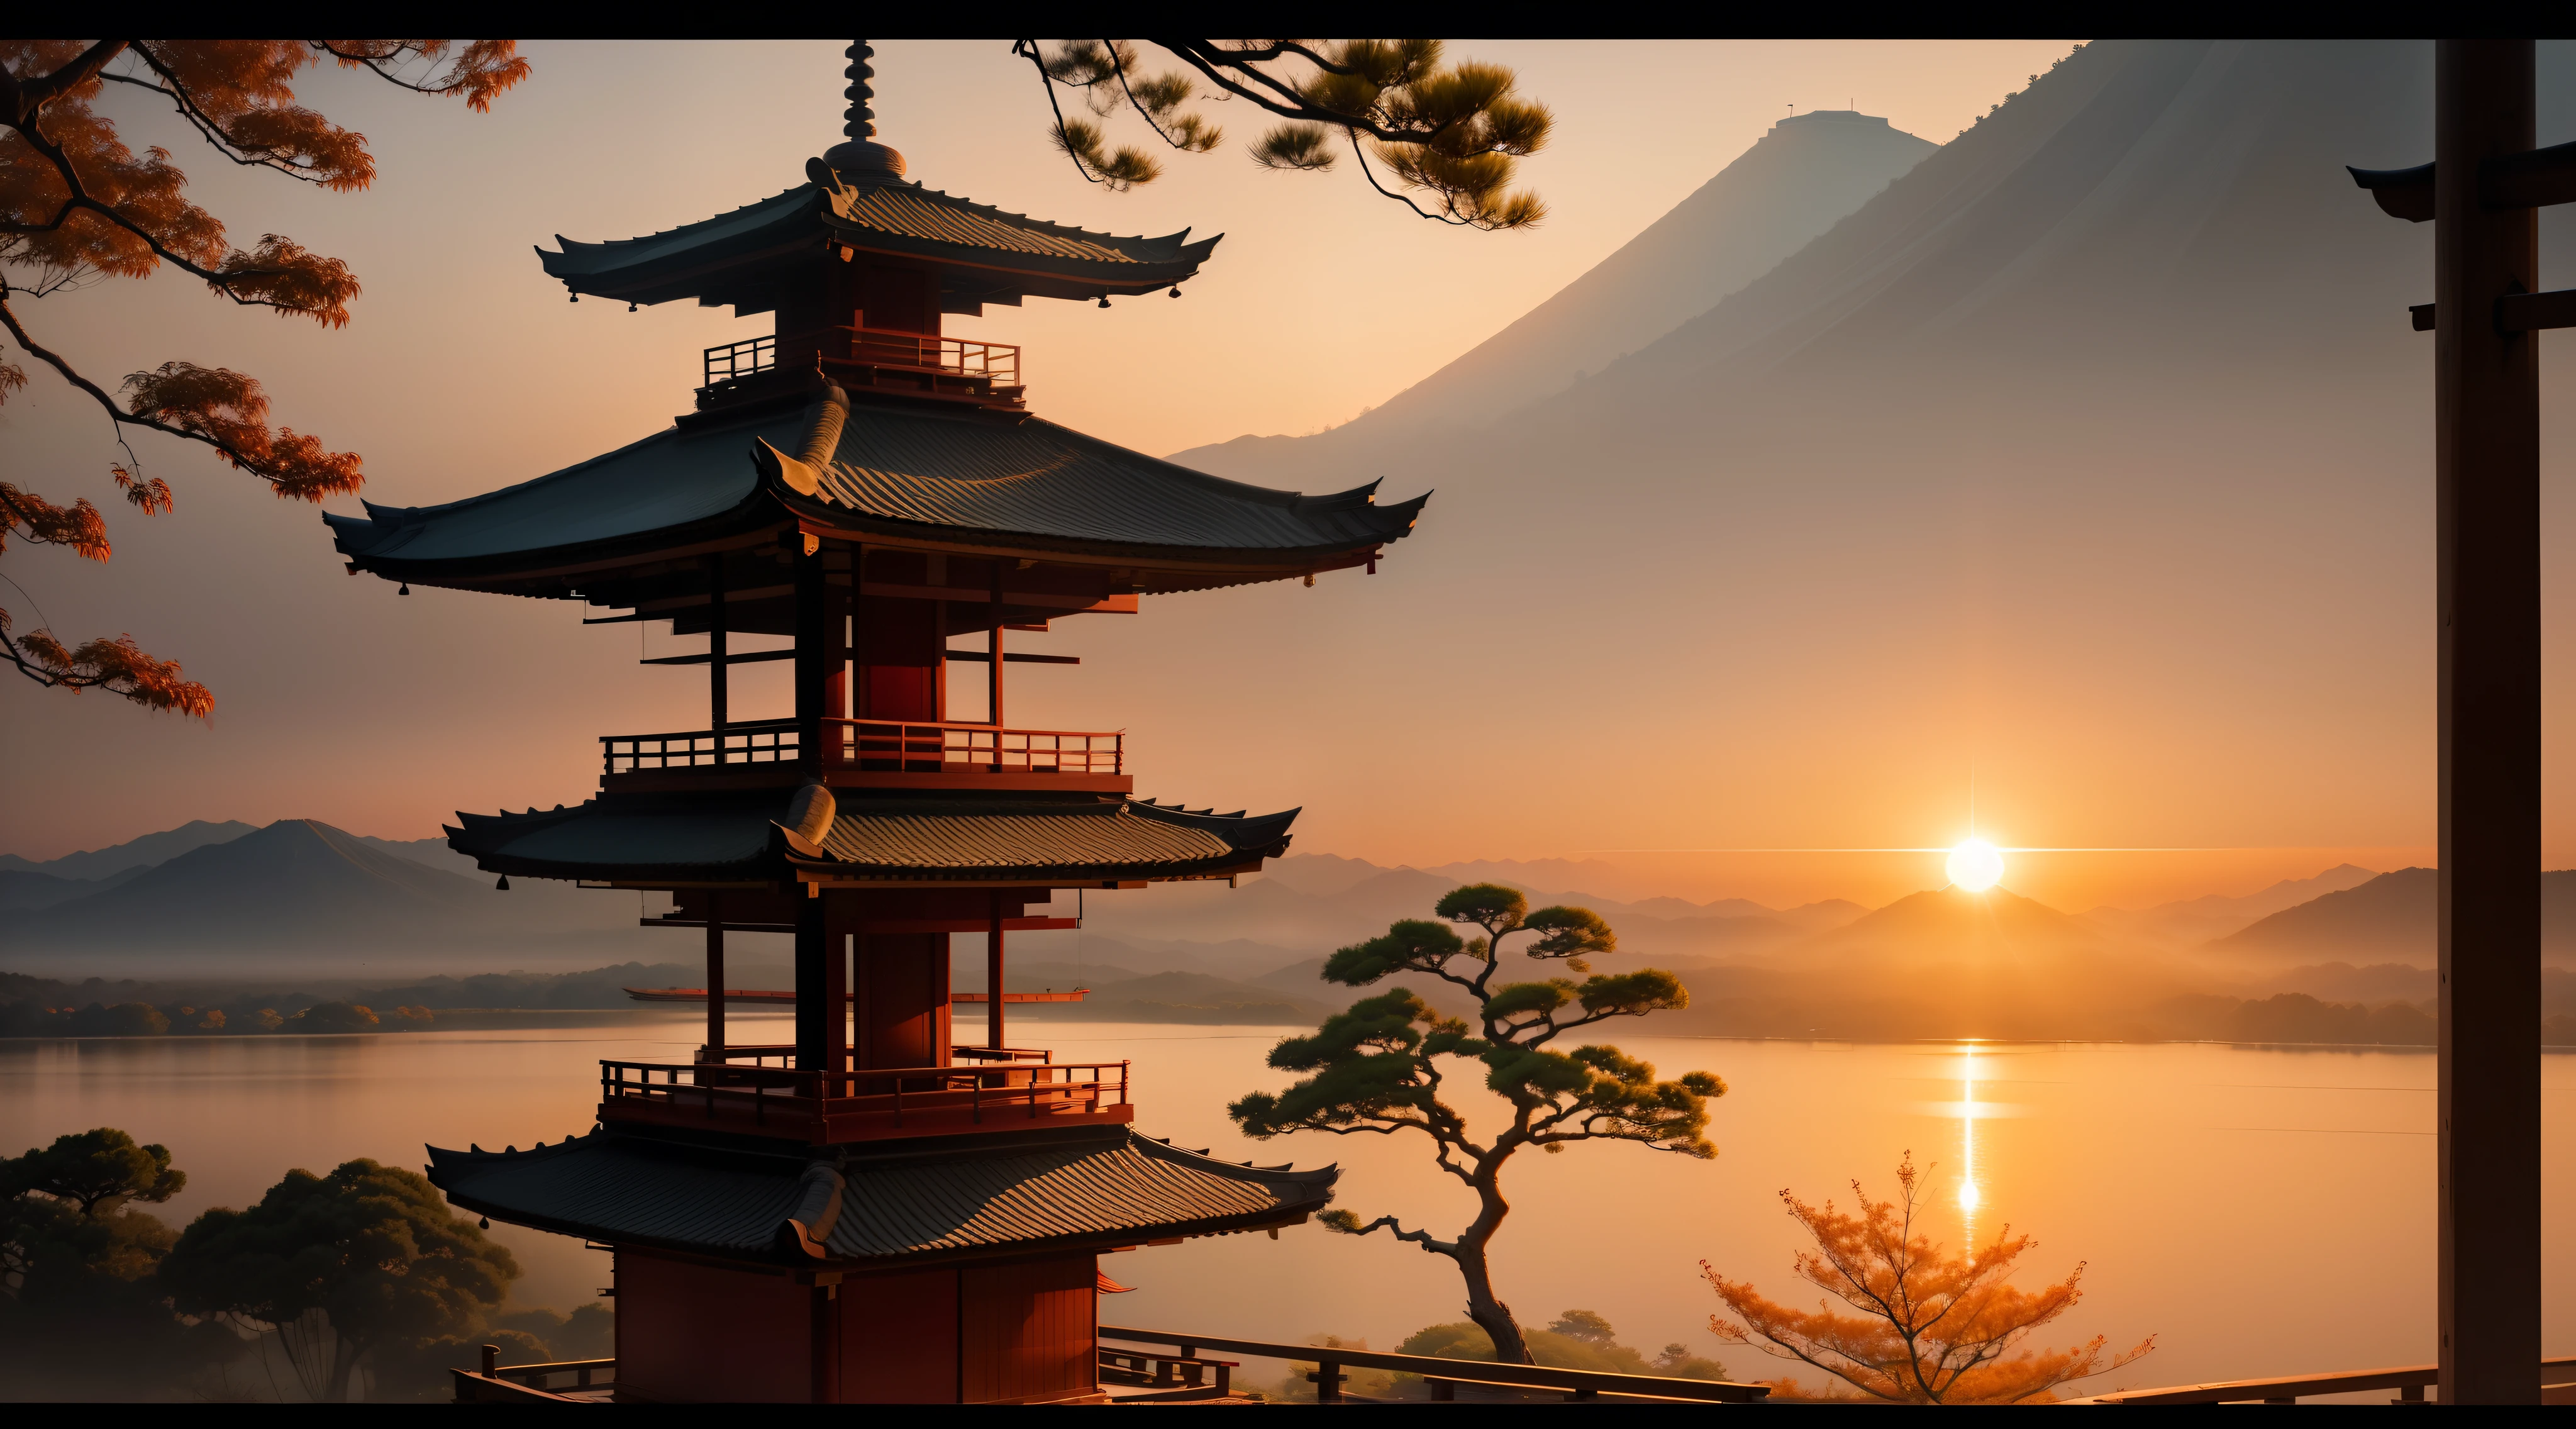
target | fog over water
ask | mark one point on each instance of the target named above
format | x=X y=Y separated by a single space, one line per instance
x=2262 y=1211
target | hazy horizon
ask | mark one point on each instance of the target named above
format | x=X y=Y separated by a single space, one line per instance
x=2130 y=575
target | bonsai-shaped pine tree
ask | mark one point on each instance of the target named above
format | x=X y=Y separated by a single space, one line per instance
x=1380 y=1067
x=1932 y=1328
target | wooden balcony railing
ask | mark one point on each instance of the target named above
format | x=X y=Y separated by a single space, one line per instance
x=1445 y=1375
x=864 y=1104
x=782 y=1053
x=885 y=746
x=2556 y=1383
x=761 y=742
x=994 y=363
x=864 y=746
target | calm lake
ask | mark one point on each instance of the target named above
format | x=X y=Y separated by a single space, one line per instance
x=2262 y=1211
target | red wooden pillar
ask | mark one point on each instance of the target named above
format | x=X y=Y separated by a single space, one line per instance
x=993 y=976
x=2487 y=535
x=993 y=671
x=715 y=977
x=717 y=681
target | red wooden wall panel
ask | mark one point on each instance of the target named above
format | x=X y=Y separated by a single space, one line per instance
x=698 y=1334
x=902 y=1003
x=899 y=1339
x=1029 y=1331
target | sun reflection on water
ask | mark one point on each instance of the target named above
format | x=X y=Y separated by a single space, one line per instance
x=1968 y=1193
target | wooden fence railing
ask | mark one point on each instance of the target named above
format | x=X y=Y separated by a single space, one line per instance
x=995 y=362
x=762 y=742
x=876 y=1100
x=2557 y=1384
x=877 y=746
x=892 y=746
x=1444 y=1375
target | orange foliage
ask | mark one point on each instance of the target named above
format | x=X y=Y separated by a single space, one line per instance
x=77 y=205
x=1932 y=1328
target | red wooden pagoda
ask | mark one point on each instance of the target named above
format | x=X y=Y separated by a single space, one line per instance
x=872 y=1213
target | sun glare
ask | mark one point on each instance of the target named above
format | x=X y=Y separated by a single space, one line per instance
x=1975 y=865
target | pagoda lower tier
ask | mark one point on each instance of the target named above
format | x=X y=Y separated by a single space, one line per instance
x=946 y=1270
x=817 y=838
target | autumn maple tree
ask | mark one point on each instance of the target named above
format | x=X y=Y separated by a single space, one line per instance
x=1383 y=1067
x=1929 y=1328
x=1453 y=133
x=78 y=204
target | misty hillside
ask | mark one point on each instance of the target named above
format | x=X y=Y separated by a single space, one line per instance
x=1808 y=173
x=2198 y=920
x=96 y=864
x=2389 y=919
x=1308 y=905
x=300 y=887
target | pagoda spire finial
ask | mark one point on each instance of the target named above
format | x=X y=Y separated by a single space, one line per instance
x=859 y=156
x=859 y=121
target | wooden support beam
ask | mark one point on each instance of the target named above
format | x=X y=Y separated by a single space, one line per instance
x=717 y=660
x=1011 y=657
x=2487 y=542
x=747 y=657
x=993 y=654
x=715 y=976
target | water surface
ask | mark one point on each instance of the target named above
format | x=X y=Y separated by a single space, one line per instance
x=2262 y=1211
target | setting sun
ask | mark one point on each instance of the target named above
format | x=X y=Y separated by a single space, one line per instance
x=1975 y=865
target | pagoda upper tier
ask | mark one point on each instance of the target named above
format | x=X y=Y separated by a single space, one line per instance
x=762 y=257
x=887 y=475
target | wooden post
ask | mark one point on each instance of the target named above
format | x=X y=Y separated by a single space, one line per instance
x=814 y=644
x=2487 y=535
x=993 y=977
x=993 y=671
x=717 y=686
x=715 y=976
x=818 y=991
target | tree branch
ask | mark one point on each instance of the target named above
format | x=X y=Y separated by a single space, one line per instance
x=24 y=97
x=1423 y=1239
x=18 y=331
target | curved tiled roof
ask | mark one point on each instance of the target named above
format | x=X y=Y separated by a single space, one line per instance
x=713 y=257
x=1034 y=478
x=913 y=213
x=1106 y=839
x=1026 y=482
x=896 y=1202
x=734 y=837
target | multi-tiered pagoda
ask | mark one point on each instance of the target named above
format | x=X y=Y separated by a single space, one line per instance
x=872 y=1213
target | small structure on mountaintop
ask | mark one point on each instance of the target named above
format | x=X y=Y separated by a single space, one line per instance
x=872 y=1213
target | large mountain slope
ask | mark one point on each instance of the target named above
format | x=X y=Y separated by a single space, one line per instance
x=2093 y=451
x=1797 y=181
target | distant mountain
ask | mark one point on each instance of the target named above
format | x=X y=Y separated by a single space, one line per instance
x=1807 y=173
x=1948 y=923
x=1313 y=903
x=300 y=887
x=145 y=851
x=2391 y=918
x=2198 y=920
x=23 y=890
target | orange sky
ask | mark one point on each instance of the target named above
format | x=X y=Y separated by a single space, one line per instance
x=465 y=370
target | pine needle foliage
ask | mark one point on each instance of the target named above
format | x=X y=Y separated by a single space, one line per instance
x=78 y=206
x=1383 y=1066
x=1450 y=135
x=1930 y=1327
